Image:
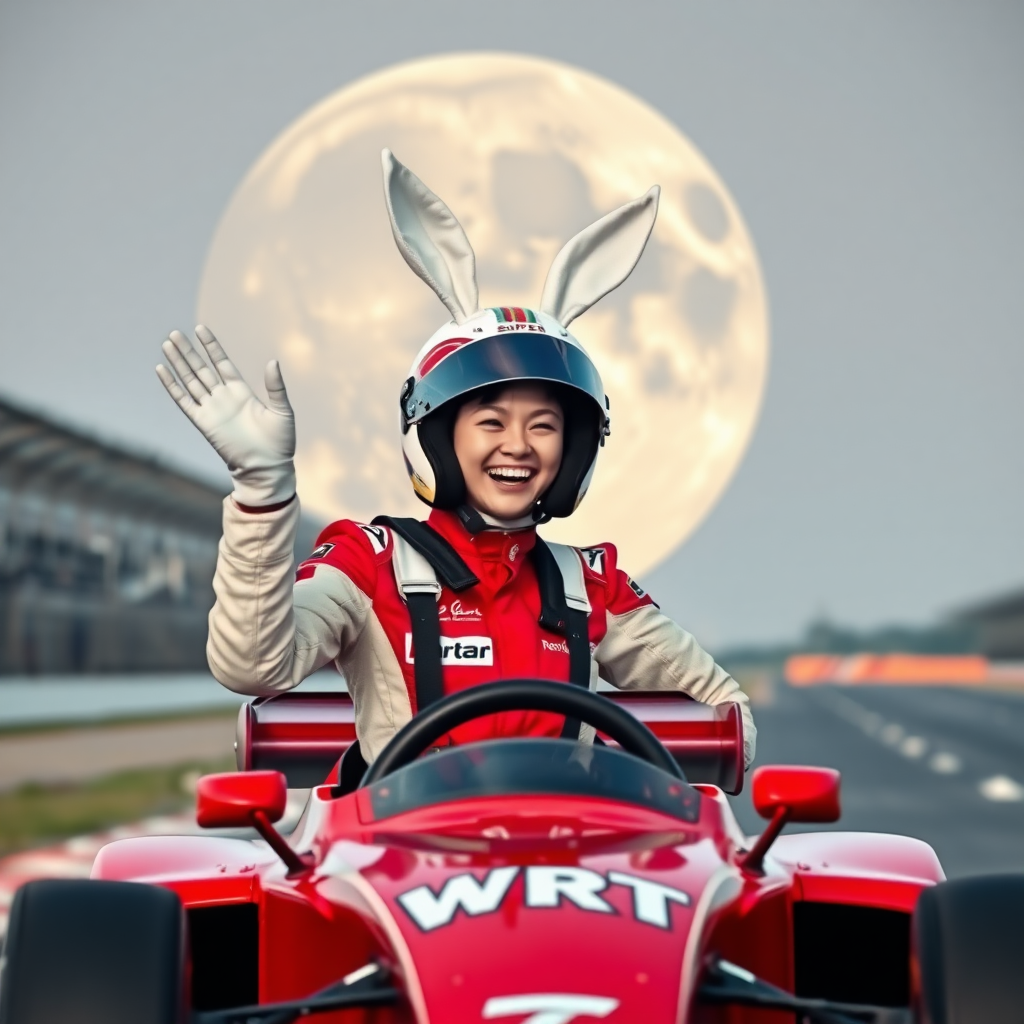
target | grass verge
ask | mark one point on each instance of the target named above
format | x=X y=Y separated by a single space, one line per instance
x=34 y=815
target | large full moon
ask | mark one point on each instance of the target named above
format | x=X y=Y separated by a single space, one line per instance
x=526 y=152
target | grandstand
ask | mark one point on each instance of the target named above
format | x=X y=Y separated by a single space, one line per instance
x=106 y=556
x=999 y=624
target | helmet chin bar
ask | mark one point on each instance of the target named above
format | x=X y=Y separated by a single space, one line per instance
x=476 y=521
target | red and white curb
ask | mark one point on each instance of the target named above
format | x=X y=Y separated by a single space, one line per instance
x=74 y=858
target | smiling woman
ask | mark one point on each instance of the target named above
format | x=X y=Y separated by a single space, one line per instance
x=502 y=415
x=509 y=446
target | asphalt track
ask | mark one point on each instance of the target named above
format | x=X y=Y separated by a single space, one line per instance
x=943 y=764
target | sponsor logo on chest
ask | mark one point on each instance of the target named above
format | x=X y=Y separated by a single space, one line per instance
x=561 y=647
x=457 y=611
x=461 y=650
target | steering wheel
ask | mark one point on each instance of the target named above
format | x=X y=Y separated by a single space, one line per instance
x=520 y=695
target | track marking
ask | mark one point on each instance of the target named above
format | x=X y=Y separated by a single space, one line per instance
x=841 y=705
x=1001 y=789
x=872 y=724
x=944 y=763
x=891 y=735
x=914 y=747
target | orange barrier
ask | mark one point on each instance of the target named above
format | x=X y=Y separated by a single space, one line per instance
x=902 y=669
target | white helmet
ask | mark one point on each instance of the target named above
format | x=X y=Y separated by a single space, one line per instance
x=505 y=343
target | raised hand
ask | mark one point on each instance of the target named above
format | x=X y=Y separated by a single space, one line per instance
x=255 y=440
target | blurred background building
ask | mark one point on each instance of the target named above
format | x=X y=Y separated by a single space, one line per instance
x=106 y=555
x=998 y=625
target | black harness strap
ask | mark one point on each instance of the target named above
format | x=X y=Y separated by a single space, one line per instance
x=443 y=558
x=426 y=637
x=452 y=571
x=423 y=614
x=556 y=615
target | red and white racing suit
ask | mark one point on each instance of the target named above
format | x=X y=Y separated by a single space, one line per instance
x=267 y=635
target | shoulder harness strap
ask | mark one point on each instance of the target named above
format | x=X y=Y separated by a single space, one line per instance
x=565 y=609
x=421 y=556
x=452 y=570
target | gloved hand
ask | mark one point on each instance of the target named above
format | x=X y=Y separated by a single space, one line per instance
x=256 y=441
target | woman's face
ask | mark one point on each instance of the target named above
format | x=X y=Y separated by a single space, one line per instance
x=509 y=447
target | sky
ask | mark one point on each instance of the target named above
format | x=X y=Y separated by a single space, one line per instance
x=876 y=150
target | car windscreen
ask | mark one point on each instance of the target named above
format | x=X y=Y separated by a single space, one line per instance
x=532 y=767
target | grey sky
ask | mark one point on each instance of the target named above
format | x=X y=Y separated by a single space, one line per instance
x=876 y=150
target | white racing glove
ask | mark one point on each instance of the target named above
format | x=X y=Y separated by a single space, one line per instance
x=256 y=441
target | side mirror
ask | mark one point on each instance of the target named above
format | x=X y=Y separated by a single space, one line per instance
x=807 y=794
x=249 y=800
x=231 y=799
x=790 y=793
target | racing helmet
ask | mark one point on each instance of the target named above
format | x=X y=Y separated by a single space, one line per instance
x=505 y=344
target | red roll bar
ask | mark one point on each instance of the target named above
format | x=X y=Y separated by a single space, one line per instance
x=304 y=733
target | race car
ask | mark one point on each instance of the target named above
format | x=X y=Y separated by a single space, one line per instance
x=519 y=880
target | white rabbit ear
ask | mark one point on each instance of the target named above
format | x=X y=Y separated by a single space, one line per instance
x=599 y=258
x=430 y=238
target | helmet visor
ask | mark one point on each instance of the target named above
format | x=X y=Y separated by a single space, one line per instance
x=499 y=359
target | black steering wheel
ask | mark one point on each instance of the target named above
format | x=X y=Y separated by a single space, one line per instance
x=520 y=695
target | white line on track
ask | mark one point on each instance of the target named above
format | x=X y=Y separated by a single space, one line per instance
x=944 y=763
x=892 y=734
x=1001 y=789
x=913 y=747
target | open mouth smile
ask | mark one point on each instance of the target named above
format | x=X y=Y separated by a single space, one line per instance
x=511 y=475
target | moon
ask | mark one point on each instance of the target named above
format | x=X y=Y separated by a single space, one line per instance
x=526 y=152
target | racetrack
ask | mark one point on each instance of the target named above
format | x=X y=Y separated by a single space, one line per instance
x=943 y=764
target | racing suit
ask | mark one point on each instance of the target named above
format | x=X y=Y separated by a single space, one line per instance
x=267 y=635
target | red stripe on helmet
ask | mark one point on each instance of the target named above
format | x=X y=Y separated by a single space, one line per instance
x=519 y=315
x=438 y=352
x=506 y=312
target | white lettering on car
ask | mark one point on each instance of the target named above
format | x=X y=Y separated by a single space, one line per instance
x=650 y=899
x=463 y=650
x=430 y=910
x=549 y=1007
x=545 y=888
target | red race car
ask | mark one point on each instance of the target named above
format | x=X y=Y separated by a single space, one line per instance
x=517 y=880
